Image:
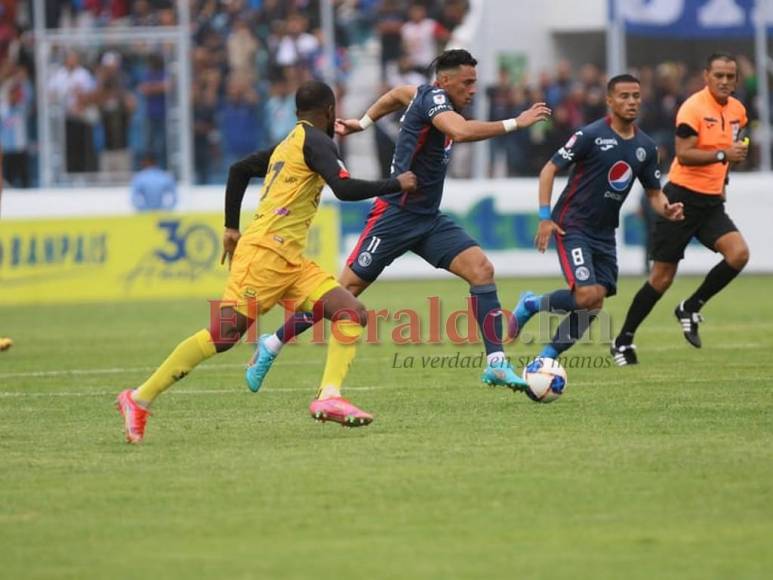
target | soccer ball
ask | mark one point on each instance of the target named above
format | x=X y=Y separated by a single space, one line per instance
x=546 y=379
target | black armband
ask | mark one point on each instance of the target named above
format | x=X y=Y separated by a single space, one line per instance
x=685 y=131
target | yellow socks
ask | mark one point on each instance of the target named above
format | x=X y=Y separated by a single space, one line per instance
x=188 y=354
x=340 y=354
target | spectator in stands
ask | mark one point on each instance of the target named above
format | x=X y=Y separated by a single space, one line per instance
x=452 y=14
x=519 y=145
x=391 y=18
x=73 y=87
x=557 y=89
x=154 y=88
x=661 y=106
x=594 y=84
x=143 y=14
x=152 y=187
x=242 y=48
x=205 y=135
x=420 y=36
x=500 y=106
x=15 y=104
x=297 y=47
x=270 y=13
x=242 y=129
x=280 y=109
x=116 y=107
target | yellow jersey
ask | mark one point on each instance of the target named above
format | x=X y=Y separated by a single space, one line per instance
x=295 y=172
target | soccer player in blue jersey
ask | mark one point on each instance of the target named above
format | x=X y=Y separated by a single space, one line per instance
x=398 y=224
x=606 y=156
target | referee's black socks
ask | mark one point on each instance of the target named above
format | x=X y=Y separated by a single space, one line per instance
x=642 y=305
x=720 y=276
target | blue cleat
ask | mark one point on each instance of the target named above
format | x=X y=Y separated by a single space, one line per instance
x=528 y=306
x=502 y=375
x=260 y=366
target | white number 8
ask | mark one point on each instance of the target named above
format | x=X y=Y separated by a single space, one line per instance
x=577 y=257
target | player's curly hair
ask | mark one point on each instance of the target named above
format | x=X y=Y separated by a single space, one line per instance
x=314 y=96
x=451 y=59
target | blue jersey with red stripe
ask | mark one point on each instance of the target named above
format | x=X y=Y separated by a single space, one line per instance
x=605 y=166
x=423 y=149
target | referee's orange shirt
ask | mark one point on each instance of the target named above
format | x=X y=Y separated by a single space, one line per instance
x=717 y=127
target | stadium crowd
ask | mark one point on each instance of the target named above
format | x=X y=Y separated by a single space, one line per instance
x=578 y=97
x=248 y=56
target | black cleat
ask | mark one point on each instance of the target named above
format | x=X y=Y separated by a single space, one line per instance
x=689 y=322
x=623 y=354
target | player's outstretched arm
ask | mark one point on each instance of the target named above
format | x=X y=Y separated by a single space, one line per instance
x=392 y=101
x=664 y=208
x=547 y=227
x=321 y=155
x=461 y=130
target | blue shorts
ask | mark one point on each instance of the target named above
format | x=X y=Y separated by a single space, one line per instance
x=390 y=232
x=587 y=260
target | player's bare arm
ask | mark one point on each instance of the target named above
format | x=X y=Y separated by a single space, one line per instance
x=547 y=227
x=462 y=130
x=239 y=175
x=390 y=102
x=660 y=204
x=688 y=153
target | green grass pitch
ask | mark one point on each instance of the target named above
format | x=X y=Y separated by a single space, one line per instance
x=664 y=470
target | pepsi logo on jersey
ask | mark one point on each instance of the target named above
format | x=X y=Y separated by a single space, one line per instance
x=620 y=176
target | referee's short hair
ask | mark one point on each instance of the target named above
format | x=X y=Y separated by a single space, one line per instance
x=616 y=80
x=314 y=96
x=726 y=56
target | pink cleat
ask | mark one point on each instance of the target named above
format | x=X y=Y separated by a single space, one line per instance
x=134 y=416
x=339 y=410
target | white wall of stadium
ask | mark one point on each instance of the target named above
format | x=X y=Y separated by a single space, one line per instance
x=499 y=213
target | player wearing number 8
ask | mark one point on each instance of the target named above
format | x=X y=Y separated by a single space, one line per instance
x=606 y=156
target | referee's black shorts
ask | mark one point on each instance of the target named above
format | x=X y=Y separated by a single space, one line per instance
x=704 y=218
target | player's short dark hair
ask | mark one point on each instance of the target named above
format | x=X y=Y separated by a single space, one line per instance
x=726 y=56
x=314 y=96
x=454 y=58
x=616 y=80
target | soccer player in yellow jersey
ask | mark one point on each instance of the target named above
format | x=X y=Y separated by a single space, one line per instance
x=267 y=262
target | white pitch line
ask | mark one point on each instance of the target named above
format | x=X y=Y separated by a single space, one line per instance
x=119 y=370
x=270 y=390
x=179 y=392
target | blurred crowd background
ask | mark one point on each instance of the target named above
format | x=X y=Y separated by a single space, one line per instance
x=248 y=57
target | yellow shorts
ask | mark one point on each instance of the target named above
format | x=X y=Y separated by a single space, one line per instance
x=260 y=278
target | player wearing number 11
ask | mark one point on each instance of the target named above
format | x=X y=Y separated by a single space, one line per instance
x=267 y=263
x=607 y=156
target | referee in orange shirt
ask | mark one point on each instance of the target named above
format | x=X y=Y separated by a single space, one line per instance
x=707 y=142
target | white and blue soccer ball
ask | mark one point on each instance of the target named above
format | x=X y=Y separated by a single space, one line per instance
x=546 y=379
